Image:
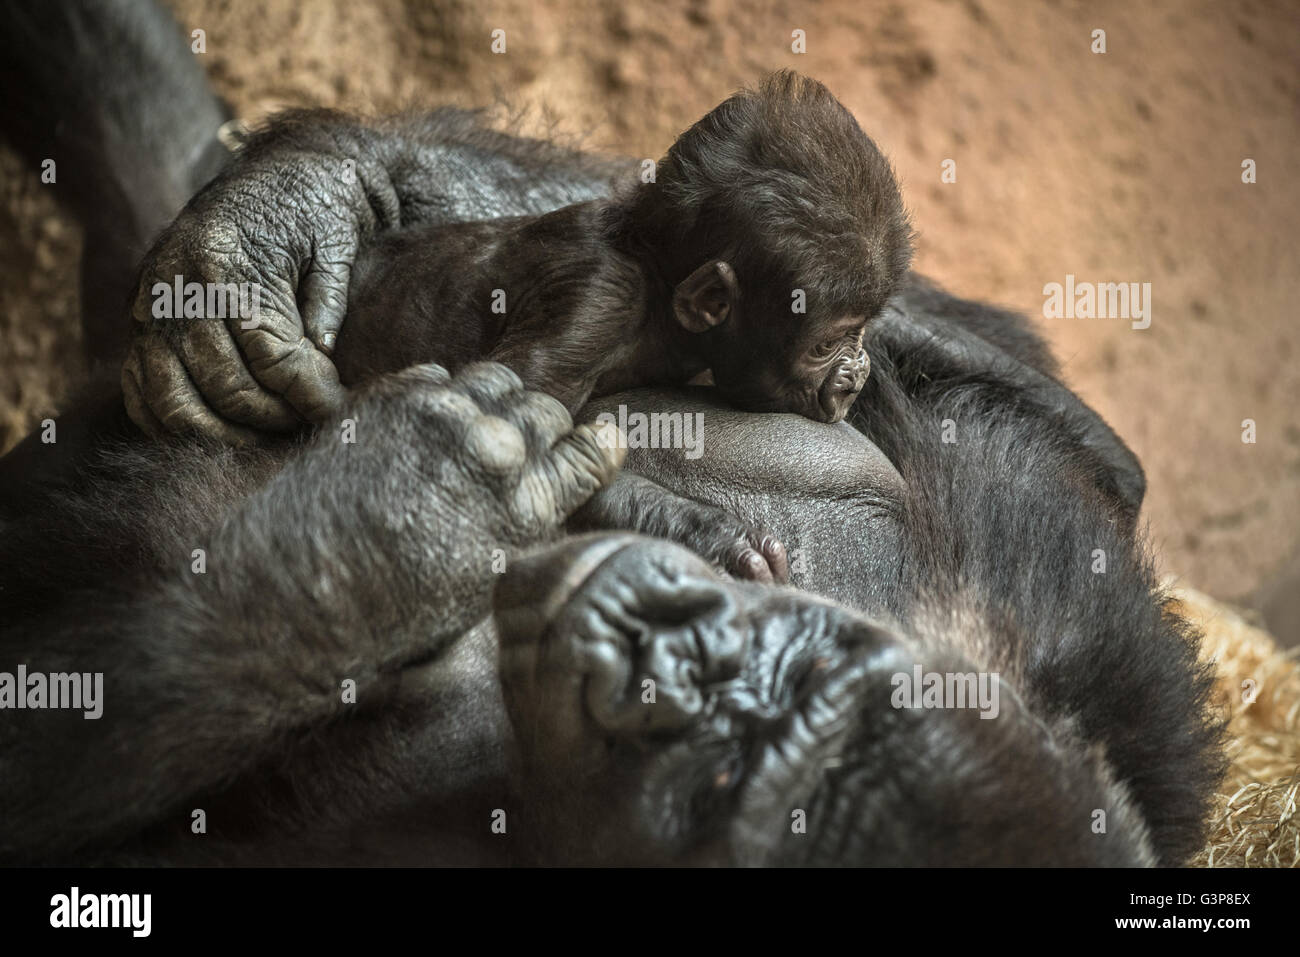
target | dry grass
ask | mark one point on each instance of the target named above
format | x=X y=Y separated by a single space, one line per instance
x=1254 y=822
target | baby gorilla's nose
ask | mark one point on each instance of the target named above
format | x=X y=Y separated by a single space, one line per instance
x=843 y=385
x=852 y=373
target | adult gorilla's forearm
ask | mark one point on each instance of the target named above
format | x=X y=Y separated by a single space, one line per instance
x=210 y=669
x=74 y=75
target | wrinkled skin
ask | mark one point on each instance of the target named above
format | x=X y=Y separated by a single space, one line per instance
x=375 y=561
x=221 y=381
x=290 y=214
x=817 y=371
x=604 y=294
x=925 y=541
x=768 y=704
x=589 y=301
x=445 y=475
x=224 y=236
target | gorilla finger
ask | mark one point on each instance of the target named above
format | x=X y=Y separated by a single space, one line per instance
x=155 y=272
x=218 y=371
x=774 y=554
x=296 y=370
x=542 y=418
x=760 y=559
x=744 y=561
x=488 y=384
x=495 y=445
x=193 y=249
x=174 y=403
x=323 y=293
x=133 y=397
x=579 y=465
x=426 y=374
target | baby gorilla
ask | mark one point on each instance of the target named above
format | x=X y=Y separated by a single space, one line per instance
x=769 y=235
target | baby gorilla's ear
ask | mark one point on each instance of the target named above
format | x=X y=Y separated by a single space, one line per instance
x=707 y=297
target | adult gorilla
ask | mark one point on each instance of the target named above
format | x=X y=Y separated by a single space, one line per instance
x=625 y=703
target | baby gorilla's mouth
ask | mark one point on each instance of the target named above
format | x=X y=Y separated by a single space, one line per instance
x=797 y=398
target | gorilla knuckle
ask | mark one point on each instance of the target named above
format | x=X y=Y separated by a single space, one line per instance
x=488 y=380
x=495 y=445
x=542 y=417
x=217 y=239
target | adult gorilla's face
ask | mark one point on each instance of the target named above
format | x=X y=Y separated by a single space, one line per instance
x=669 y=712
x=663 y=714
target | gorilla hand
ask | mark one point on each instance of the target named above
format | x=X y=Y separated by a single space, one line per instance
x=734 y=545
x=453 y=474
x=285 y=218
x=371 y=550
x=737 y=547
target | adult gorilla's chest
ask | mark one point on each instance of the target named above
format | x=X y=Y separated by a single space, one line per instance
x=826 y=490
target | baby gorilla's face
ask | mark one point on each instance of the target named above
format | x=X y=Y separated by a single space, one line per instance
x=817 y=372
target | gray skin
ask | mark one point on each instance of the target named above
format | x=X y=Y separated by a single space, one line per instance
x=766 y=697
x=771 y=702
x=522 y=693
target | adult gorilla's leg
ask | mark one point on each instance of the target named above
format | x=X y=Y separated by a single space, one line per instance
x=207 y=675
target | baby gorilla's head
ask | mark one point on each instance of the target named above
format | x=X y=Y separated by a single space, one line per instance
x=782 y=229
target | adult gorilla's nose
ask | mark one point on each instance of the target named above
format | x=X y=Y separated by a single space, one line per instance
x=601 y=619
x=537 y=584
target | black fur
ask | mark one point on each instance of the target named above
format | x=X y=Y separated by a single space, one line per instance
x=778 y=187
x=373 y=561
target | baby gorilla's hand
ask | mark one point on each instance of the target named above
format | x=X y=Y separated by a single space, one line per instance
x=742 y=550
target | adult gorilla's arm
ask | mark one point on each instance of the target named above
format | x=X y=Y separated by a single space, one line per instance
x=206 y=675
x=106 y=97
x=289 y=214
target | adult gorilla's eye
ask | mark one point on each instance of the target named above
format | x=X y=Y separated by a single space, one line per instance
x=826 y=348
x=713 y=802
